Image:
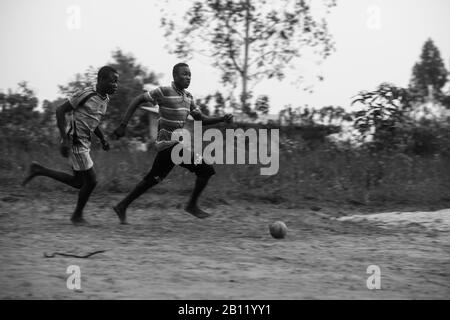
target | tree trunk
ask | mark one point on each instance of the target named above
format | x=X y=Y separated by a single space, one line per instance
x=244 y=96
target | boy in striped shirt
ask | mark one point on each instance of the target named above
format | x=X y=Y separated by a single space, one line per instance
x=175 y=104
x=86 y=109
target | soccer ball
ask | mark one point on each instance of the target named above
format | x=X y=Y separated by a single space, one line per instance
x=278 y=229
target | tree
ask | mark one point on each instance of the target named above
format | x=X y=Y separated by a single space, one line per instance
x=262 y=104
x=385 y=111
x=334 y=114
x=20 y=122
x=250 y=40
x=18 y=108
x=81 y=81
x=48 y=118
x=297 y=116
x=429 y=75
x=286 y=116
x=234 y=105
x=220 y=104
x=133 y=77
x=203 y=105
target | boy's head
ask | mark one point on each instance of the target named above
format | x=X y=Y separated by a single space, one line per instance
x=107 y=79
x=181 y=75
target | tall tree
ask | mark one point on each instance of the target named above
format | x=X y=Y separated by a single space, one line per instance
x=250 y=40
x=429 y=74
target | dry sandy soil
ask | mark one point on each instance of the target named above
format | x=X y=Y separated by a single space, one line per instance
x=167 y=254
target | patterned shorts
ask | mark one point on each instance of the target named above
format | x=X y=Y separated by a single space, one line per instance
x=80 y=159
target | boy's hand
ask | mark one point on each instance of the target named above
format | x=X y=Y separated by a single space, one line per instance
x=64 y=148
x=228 y=118
x=119 y=132
x=105 y=145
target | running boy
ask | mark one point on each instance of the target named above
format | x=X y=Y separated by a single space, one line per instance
x=175 y=104
x=86 y=108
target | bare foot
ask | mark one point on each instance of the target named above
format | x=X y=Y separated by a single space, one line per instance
x=78 y=220
x=196 y=212
x=33 y=170
x=121 y=213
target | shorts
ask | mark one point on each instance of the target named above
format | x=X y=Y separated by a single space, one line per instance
x=163 y=164
x=80 y=159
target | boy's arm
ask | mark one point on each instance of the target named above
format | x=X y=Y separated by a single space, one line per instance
x=61 y=122
x=140 y=99
x=61 y=118
x=99 y=133
x=207 y=120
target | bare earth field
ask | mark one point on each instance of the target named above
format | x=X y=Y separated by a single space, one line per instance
x=167 y=254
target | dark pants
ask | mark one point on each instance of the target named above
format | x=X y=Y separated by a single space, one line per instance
x=163 y=164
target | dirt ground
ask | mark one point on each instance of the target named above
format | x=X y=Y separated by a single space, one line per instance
x=167 y=254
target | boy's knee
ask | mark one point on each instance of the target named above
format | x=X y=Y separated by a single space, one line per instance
x=92 y=183
x=91 y=180
x=78 y=183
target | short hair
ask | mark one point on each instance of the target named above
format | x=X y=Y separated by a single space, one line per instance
x=178 y=66
x=104 y=72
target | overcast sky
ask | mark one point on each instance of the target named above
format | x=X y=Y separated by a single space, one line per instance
x=377 y=41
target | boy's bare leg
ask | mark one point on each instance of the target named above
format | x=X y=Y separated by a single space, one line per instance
x=192 y=207
x=89 y=182
x=140 y=189
x=36 y=169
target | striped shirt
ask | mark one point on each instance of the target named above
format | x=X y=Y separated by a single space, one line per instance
x=87 y=116
x=174 y=107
